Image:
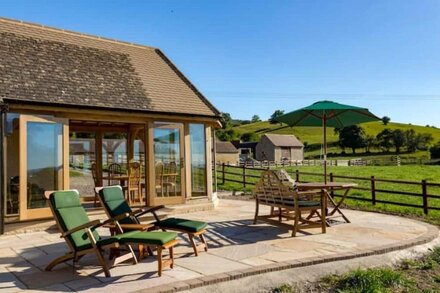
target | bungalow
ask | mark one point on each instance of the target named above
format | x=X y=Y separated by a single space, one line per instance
x=116 y=106
x=278 y=147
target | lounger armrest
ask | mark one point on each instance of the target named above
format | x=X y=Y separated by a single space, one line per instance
x=115 y=219
x=92 y=224
x=141 y=212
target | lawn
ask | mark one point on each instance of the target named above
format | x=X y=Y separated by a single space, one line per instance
x=419 y=275
x=415 y=173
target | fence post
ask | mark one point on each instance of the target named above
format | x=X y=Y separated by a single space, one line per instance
x=223 y=173
x=425 y=197
x=244 y=176
x=373 y=190
x=332 y=193
x=297 y=175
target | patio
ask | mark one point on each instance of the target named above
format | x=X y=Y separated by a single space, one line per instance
x=237 y=249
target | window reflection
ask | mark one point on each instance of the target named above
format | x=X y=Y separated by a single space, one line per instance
x=82 y=162
x=44 y=161
x=166 y=141
x=198 y=159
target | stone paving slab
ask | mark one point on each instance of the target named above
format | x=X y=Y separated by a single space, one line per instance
x=237 y=249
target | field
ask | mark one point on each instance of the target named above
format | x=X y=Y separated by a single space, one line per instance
x=415 y=173
x=313 y=135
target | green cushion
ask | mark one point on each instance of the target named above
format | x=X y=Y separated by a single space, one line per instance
x=71 y=214
x=153 y=238
x=108 y=240
x=115 y=203
x=308 y=203
x=182 y=224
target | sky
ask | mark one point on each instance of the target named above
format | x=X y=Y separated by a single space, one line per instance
x=254 y=57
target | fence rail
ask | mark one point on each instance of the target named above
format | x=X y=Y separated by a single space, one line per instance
x=391 y=161
x=243 y=176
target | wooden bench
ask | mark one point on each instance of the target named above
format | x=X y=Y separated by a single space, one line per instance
x=271 y=190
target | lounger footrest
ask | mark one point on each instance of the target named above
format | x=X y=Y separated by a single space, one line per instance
x=182 y=225
x=148 y=238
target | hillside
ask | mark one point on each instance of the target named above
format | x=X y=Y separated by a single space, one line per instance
x=313 y=135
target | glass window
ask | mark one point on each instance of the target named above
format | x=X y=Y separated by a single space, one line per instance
x=12 y=166
x=44 y=161
x=114 y=157
x=167 y=157
x=198 y=159
x=82 y=162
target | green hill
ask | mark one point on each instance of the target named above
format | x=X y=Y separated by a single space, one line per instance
x=313 y=135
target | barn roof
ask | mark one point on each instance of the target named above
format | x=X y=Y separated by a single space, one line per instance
x=45 y=65
x=225 y=147
x=282 y=140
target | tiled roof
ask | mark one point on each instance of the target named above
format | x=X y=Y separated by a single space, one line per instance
x=225 y=147
x=281 y=140
x=47 y=65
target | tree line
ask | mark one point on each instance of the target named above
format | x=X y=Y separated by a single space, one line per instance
x=354 y=137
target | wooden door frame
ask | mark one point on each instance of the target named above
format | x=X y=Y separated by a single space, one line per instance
x=154 y=200
x=24 y=212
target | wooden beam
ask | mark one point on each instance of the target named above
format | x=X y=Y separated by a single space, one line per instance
x=75 y=113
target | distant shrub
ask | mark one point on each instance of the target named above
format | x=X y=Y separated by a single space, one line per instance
x=435 y=151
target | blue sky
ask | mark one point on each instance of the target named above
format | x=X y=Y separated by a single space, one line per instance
x=253 y=57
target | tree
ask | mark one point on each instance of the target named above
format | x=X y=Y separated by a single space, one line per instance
x=255 y=118
x=424 y=140
x=399 y=139
x=352 y=137
x=370 y=141
x=417 y=141
x=227 y=134
x=275 y=115
x=385 y=139
x=226 y=120
x=411 y=140
x=249 y=136
x=386 y=120
x=435 y=151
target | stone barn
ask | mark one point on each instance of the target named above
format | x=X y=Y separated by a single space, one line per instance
x=226 y=153
x=278 y=147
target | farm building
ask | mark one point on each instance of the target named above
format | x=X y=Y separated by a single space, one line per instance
x=278 y=147
x=246 y=148
x=226 y=152
x=80 y=111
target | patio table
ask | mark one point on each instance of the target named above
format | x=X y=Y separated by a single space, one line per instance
x=122 y=178
x=327 y=188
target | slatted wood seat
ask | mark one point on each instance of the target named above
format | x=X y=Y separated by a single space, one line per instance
x=272 y=191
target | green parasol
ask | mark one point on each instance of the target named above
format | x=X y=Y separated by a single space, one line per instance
x=327 y=113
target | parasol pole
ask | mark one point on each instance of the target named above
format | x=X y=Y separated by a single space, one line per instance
x=324 y=126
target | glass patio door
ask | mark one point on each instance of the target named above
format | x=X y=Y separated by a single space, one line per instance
x=168 y=163
x=43 y=157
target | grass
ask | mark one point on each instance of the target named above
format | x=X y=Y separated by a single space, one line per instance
x=415 y=173
x=313 y=135
x=370 y=280
x=411 y=275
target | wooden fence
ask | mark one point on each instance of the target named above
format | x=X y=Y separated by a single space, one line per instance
x=424 y=186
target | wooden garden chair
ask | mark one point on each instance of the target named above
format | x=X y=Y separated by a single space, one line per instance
x=134 y=182
x=82 y=238
x=170 y=177
x=96 y=180
x=114 y=203
x=272 y=191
